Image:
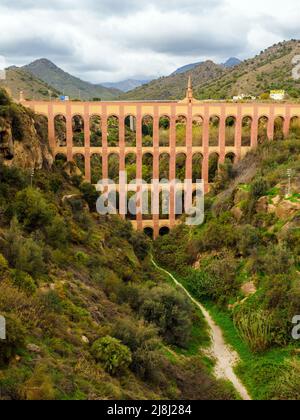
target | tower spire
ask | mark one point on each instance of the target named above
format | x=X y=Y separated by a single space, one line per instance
x=189 y=94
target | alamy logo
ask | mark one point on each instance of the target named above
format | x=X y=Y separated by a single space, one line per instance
x=296 y=329
x=140 y=197
x=2 y=328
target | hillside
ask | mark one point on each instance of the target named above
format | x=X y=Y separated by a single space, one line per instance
x=272 y=69
x=174 y=87
x=87 y=314
x=243 y=265
x=18 y=80
x=68 y=84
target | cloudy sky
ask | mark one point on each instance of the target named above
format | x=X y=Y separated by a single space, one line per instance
x=111 y=40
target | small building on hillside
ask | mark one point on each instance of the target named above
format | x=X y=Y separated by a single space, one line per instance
x=277 y=95
x=243 y=97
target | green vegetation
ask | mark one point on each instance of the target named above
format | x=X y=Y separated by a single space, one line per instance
x=243 y=264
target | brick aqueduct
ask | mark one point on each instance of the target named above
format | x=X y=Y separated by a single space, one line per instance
x=189 y=109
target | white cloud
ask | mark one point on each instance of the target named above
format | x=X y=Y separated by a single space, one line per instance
x=109 y=40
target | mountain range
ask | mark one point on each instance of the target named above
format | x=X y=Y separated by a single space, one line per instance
x=271 y=69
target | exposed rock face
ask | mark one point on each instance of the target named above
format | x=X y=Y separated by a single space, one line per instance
x=23 y=138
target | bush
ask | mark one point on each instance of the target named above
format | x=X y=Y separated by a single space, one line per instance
x=171 y=312
x=23 y=281
x=254 y=327
x=110 y=352
x=32 y=210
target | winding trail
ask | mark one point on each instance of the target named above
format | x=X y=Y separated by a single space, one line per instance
x=226 y=359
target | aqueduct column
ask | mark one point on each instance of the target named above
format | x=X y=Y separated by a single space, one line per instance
x=287 y=122
x=271 y=123
x=205 y=147
x=172 y=165
x=104 y=144
x=87 y=143
x=222 y=135
x=254 y=127
x=122 y=166
x=51 y=127
x=69 y=132
x=156 y=168
x=238 y=133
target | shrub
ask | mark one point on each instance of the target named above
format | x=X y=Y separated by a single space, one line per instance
x=171 y=312
x=3 y=264
x=254 y=327
x=32 y=210
x=110 y=352
x=23 y=281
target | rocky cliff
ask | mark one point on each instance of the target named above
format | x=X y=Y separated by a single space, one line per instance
x=23 y=136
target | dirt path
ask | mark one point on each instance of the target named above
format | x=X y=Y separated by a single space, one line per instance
x=226 y=359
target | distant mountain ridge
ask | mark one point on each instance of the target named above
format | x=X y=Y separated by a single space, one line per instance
x=126 y=85
x=70 y=85
x=231 y=62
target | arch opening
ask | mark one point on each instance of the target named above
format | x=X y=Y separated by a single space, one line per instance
x=60 y=127
x=214 y=129
x=78 y=131
x=181 y=130
x=113 y=167
x=230 y=125
x=164 y=166
x=147 y=167
x=113 y=131
x=96 y=131
x=163 y=231
x=197 y=131
x=246 y=131
x=96 y=168
x=147 y=131
x=197 y=167
x=130 y=166
x=164 y=131
x=213 y=167
x=130 y=131
x=180 y=166
x=262 y=129
x=294 y=130
x=279 y=128
x=148 y=231
x=79 y=161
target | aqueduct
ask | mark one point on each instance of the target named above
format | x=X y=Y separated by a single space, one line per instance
x=196 y=153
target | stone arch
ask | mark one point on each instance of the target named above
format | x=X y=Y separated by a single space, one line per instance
x=294 y=129
x=113 y=167
x=246 y=131
x=164 y=131
x=147 y=163
x=147 y=205
x=60 y=128
x=78 y=131
x=214 y=129
x=197 y=163
x=279 y=128
x=164 y=204
x=130 y=166
x=213 y=166
x=147 y=131
x=164 y=230
x=197 y=131
x=164 y=166
x=96 y=168
x=130 y=131
x=181 y=130
x=79 y=161
x=129 y=215
x=179 y=203
x=60 y=160
x=41 y=126
x=230 y=157
x=113 y=130
x=180 y=166
x=262 y=129
x=149 y=231
x=96 y=131
x=230 y=124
